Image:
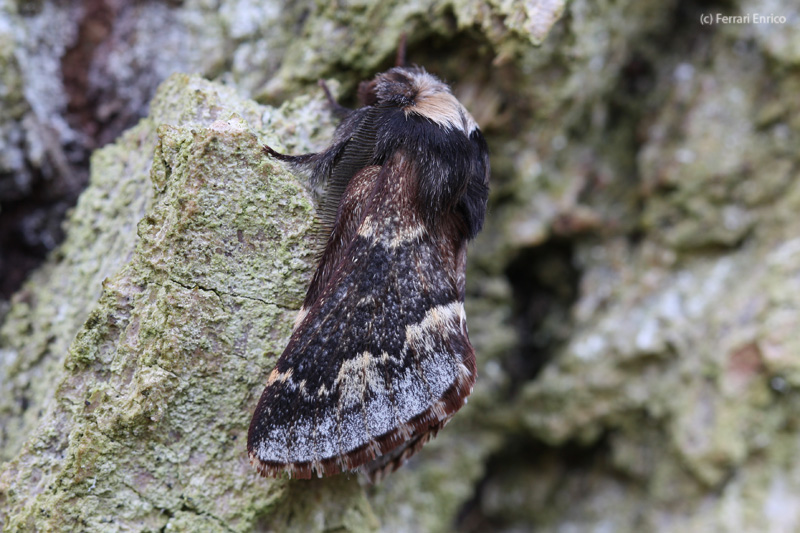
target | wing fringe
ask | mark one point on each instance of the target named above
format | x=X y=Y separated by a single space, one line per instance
x=386 y=453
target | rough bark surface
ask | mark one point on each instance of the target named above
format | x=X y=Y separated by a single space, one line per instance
x=634 y=299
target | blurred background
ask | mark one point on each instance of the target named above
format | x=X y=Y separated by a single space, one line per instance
x=633 y=299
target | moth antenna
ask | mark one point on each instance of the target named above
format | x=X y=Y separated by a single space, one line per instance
x=338 y=109
x=356 y=155
x=400 y=61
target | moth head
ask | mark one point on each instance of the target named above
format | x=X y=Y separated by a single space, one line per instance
x=417 y=92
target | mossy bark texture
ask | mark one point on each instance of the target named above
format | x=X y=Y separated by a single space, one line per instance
x=634 y=299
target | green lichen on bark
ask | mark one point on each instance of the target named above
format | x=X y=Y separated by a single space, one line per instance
x=675 y=384
x=365 y=35
x=147 y=423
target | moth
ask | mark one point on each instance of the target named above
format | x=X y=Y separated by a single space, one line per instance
x=379 y=359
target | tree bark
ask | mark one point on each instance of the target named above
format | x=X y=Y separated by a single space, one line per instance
x=633 y=299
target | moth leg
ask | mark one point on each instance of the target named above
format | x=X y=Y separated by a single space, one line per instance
x=338 y=109
x=291 y=159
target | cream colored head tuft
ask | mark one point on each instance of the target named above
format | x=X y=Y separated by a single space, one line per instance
x=434 y=101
